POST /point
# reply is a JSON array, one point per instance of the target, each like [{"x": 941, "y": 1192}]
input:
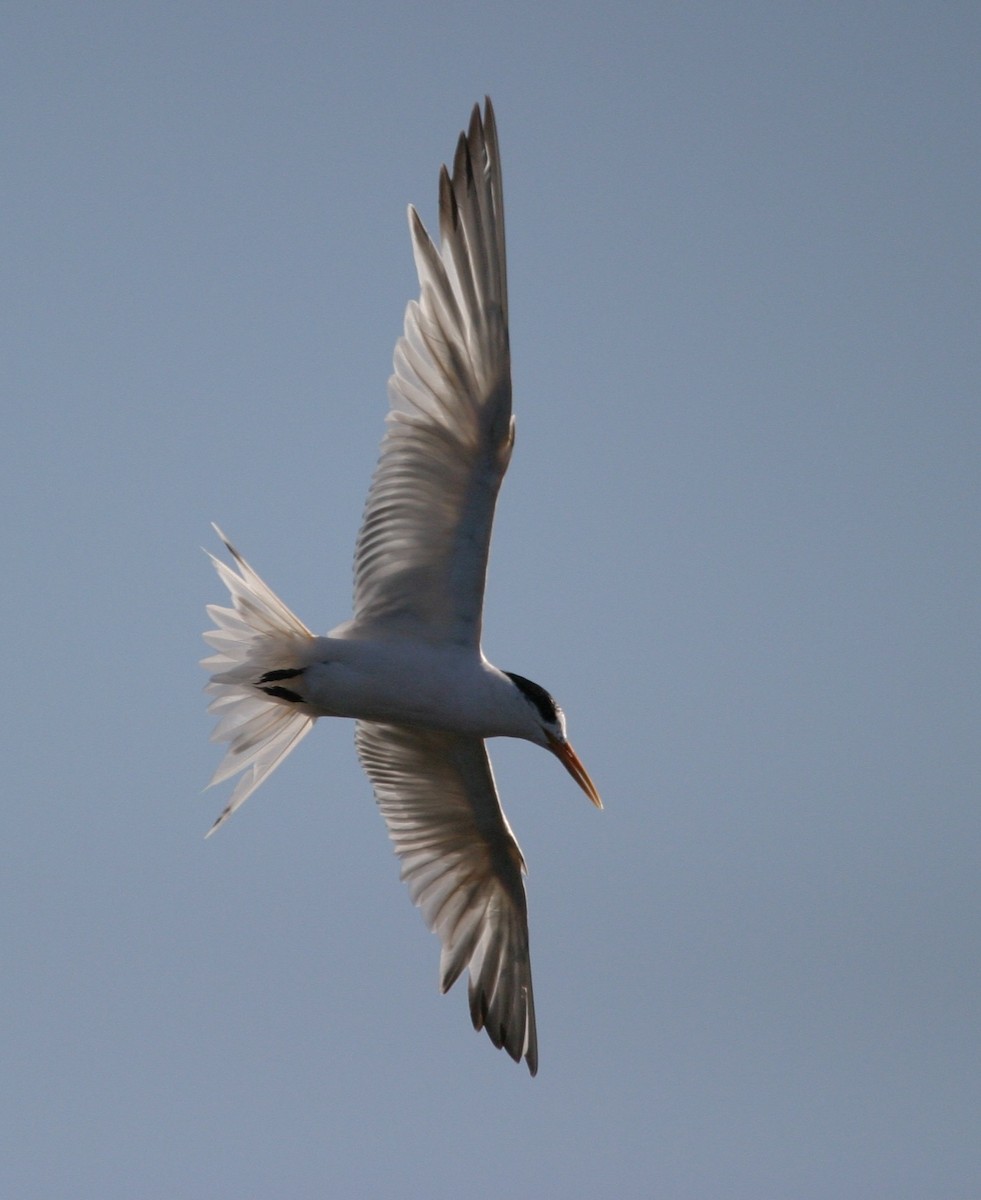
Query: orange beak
[{"x": 564, "y": 752}]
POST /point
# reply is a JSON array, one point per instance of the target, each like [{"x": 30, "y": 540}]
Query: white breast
[{"x": 413, "y": 683}]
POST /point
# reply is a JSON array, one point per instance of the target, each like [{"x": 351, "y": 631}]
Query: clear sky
[{"x": 739, "y": 542}]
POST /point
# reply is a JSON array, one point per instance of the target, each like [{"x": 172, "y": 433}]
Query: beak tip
[{"x": 570, "y": 760}]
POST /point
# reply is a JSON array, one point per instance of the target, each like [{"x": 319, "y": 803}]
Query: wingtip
[{"x": 490, "y": 121}]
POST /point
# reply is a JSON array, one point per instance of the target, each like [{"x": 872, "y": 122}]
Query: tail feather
[{"x": 257, "y": 635}]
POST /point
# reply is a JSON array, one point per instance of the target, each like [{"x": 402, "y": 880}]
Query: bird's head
[{"x": 550, "y": 732}]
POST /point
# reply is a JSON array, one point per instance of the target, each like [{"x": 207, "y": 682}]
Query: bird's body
[
  {"x": 408, "y": 667},
  {"x": 414, "y": 683}
]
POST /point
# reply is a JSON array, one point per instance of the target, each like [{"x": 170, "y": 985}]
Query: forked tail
[{"x": 260, "y": 650}]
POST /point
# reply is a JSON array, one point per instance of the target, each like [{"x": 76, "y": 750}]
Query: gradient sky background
[{"x": 739, "y": 542}]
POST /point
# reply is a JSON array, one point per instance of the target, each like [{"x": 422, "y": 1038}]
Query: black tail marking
[
  {"x": 273, "y": 676},
  {"x": 282, "y": 693}
]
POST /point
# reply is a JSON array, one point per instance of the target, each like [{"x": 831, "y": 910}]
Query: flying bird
[{"x": 408, "y": 667}]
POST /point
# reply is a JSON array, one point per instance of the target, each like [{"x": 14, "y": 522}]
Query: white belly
[{"x": 408, "y": 683}]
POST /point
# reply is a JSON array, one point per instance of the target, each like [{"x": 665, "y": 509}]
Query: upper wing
[
  {"x": 421, "y": 555},
  {"x": 463, "y": 867}
]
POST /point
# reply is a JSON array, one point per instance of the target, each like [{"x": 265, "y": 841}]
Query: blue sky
[{"x": 739, "y": 542}]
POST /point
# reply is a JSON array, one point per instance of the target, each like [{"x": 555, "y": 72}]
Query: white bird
[{"x": 408, "y": 667}]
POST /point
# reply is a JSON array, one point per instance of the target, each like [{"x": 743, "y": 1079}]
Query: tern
[{"x": 408, "y": 667}]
